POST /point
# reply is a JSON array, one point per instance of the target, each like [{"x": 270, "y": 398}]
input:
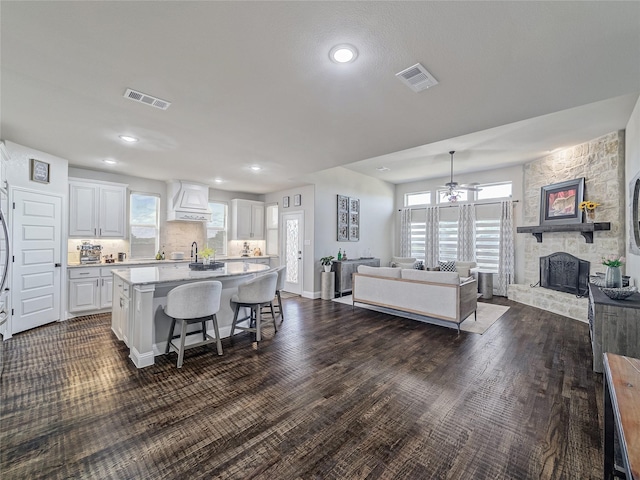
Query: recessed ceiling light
[
  {"x": 218, "y": 180},
  {"x": 343, "y": 53},
  {"x": 128, "y": 138},
  {"x": 108, "y": 161},
  {"x": 383, "y": 169},
  {"x": 256, "y": 168}
]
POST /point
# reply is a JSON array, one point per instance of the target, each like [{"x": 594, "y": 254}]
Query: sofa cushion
[
  {"x": 402, "y": 262},
  {"x": 464, "y": 268},
  {"x": 450, "y": 278},
  {"x": 447, "y": 266},
  {"x": 379, "y": 271}
]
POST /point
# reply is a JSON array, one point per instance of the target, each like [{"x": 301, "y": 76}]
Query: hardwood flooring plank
[{"x": 337, "y": 393}]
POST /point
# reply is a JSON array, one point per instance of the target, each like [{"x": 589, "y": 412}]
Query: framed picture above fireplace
[{"x": 559, "y": 202}]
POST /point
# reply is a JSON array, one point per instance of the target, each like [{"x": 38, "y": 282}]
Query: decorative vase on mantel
[
  {"x": 613, "y": 277},
  {"x": 590, "y": 215}
]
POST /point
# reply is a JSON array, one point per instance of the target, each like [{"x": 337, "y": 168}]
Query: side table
[
  {"x": 328, "y": 285},
  {"x": 485, "y": 284}
]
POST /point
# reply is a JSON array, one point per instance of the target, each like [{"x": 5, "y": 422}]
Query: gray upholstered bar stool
[
  {"x": 193, "y": 303},
  {"x": 282, "y": 274},
  {"x": 255, "y": 294}
]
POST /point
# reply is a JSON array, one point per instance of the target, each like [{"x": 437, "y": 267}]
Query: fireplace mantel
[{"x": 585, "y": 229}]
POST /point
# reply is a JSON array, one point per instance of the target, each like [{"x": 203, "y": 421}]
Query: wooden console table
[
  {"x": 621, "y": 416},
  {"x": 614, "y": 325}
]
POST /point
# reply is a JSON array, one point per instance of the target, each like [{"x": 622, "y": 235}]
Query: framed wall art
[
  {"x": 343, "y": 218},
  {"x": 354, "y": 219},
  {"x": 559, "y": 202},
  {"x": 285, "y": 202},
  {"x": 39, "y": 171},
  {"x": 297, "y": 200}
]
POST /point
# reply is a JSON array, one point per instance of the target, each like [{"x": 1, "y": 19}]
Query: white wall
[
  {"x": 376, "y": 216},
  {"x": 632, "y": 168},
  {"x": 513, "y": 174}
]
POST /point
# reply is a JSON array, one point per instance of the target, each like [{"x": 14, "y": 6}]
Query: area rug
[{"x": 488, "y": 314}]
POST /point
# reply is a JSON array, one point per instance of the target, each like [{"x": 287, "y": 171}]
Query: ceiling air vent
[
  {"x": 417, "y": 78},
  {"x": 146, "y": 99}
]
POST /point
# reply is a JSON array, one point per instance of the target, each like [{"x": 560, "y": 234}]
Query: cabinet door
[
  {"x": 257, "y": 222},
  {"x": 83, "y": 210},
  {"x": 243, "y": 221},
  {"x": 112, "y": 212},
  {"x": 106, "y": 292},
  {"x": 84, "y": 294}
]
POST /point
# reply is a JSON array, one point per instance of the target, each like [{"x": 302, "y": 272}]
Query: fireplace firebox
[{"x": 565, "y": 273}]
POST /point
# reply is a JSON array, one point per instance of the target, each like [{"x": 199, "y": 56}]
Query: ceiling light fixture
[
  {"x": 256, "y": 168},
  {"x": 128, "y": 138},
  {"x": 218, "y": 180},
  {"x": 108, "y": 161},
  {"x": 343, "y": 53},
  {"x": 383, "y": 169}
]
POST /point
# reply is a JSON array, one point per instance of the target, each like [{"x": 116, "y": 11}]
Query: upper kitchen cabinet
[
  {"x": 247, "y": 220},
  {"x": 97, "y": 209}
]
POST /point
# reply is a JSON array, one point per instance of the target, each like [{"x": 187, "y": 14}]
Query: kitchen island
[{"x": 139, "y": 296}]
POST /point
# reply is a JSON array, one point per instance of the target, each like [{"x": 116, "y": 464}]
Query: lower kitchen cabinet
[
  {"x": 120, "y": 311},
  {"x": 90, "y": 289}
]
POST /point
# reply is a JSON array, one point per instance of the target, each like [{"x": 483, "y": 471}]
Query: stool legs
[
  {"x": 183, "y": 335},
  {"x": 173, "y": 326},
  {"x": 280, "y": 309},
  {"x": 214, "y": 319}
]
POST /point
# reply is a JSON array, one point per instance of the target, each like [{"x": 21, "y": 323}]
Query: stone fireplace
[{"x": 601, "y": 162}]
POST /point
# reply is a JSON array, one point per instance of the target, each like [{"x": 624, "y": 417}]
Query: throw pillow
[
  {"x": 447, "y": 266},
  {"x": 419, "y": 265}
]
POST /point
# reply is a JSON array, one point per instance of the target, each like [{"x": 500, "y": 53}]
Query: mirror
[{"x": 634, "y": 233}]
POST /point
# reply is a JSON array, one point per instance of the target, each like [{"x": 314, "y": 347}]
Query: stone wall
[{"x": 601, "y": 162}]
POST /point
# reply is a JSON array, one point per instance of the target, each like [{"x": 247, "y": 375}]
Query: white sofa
[{"x": 440, "y": 295}]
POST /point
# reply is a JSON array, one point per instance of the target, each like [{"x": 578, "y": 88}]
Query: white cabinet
[
  {"x": 97, "y": 210},
  {"x": 84, "y": 289},
  {"x": 90, "y": 289},
  {"x": 120, "y": 312},
  {"x": 247, "y": 220}
]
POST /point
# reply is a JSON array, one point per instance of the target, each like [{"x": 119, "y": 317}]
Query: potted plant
[
  {"x": 326, "y": 263},
  {"x": 206, "y": 255}
]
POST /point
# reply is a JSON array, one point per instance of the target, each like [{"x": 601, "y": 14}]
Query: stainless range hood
[{"x": 187, "y": 202}]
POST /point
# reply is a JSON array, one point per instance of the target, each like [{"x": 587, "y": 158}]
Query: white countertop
[
  {"x": 181, "y": 273},
  {"x": 159, "y": 262}
]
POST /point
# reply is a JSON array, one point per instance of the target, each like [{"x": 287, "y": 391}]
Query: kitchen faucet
[{"x": 196, "y": 245}]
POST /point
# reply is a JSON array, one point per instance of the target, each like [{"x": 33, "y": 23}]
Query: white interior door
[
  {"x": 293, "y": 240},
  {"x": 37, "y": 226}
]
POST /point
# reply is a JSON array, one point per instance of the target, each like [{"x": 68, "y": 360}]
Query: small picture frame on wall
[
  {"x": 285, "y": 202},
  {"x": 297, "y": 200},
  {"x": 39, "y": 171}
]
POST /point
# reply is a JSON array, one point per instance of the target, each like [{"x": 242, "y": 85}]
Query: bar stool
[
  {"x": 255, "y": 294},
  {"x": 282, "y": 274},
  {"x": 193, "y": 303}
]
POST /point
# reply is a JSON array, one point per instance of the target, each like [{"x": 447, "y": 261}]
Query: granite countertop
[
  {"x": 152, "y": 261},
  {"x": 181, "y": 273}
]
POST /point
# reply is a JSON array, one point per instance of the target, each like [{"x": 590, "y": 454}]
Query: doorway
[
  {"x": 36, "y": 232},
  {"x": 292, "y": 234}
]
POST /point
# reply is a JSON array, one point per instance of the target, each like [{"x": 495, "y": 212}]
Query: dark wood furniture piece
[
  {"x": 614, "y": 325},
  {"x": 346, "y": 268},
  {"x": 621, "y": 417},
  {"x": 585, "y": 229}
]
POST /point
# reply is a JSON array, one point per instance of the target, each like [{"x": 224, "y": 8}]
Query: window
[
  {"x": 488, "y": 244},
  {"x": 417, "y": 198},
  {"x": 443, "y": 196},
  {"x": 448, "y": 240},
  {"x": 272, "y": 229},
  {"x": 217, "y": 228},
  {"x": 418, "y": 235},
  {"x": 144, "y": 226},
  {"x": 496, "y": 190}
]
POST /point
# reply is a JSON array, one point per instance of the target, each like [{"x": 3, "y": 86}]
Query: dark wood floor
[{"x": 335, "y": 394}]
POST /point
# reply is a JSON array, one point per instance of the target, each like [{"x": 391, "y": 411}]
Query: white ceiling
[{"x": 251, "y": 83}]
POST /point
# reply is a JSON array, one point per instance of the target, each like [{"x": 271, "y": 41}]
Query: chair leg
[
  {"x": 256, "y": 309},
  {"x": 183, "y": 335},
  {"x": 280, "y": 305},
  {"x": 173, "y": 326},
  {"x": 235, "y": 320},
  {"x": 275, "y": 327},
  {"x": 204, "y": 330},
  {"x": 214, "y": 319}
]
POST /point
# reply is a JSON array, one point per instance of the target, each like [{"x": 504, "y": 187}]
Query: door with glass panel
[{"x": 292, "y": 252}]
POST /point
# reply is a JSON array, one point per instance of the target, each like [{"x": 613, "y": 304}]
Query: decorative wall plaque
[{"x": 348, "y": 219}]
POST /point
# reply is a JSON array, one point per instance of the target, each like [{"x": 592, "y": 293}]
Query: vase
[
  {"x": 590, "y": 215},
  {"x": 613, "y": 277},
  {"x": 206, "y": 261}
]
